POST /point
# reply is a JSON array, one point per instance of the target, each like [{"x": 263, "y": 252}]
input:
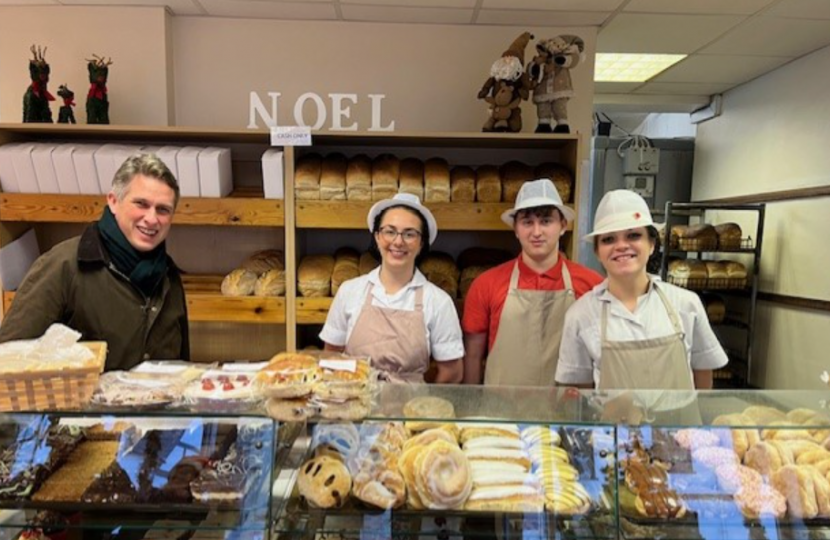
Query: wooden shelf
[
  {"x": 205, "y": 303},
  {"x": 315, "y": 310},
  {"x": 450, "y": 216},
  {"x": 234, "y": 210}
]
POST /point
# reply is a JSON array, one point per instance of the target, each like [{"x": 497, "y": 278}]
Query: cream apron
[
  {"x": 394, "y": 339},
  {"x": 650, "y": 364},
  {"x": 526, "y": 350}
]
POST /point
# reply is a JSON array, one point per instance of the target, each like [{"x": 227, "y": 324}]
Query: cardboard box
[
  {"x": 215, "y": 176},
  {"x": 8, "y": 176},
  {"x": 273, "y": 181},
  {"x": 47, "y": 179},
  {"x": 65, "y": 169},
  {"x": 169, "y": 155},
  {"x": 24, "y": 167},
  {"x": 108, "y": 160},
  {"x": 85, "y": 170},
  {"x": 187, "y": 161}
]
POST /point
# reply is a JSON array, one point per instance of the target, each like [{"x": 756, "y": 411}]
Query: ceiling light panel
[{"x": 613, "y": 67}]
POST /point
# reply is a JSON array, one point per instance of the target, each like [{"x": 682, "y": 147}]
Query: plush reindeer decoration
[
  {"x": 66, "y": 115},
  {"x": 97, "y": 102},
  {"x": 37, "y": 97}
]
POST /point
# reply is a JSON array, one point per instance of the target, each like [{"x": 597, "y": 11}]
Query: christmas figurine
[
  {"x": 37, "y": 97},
  {"x": 66, "y": 115},
  {"x": 97, "y": 103}
]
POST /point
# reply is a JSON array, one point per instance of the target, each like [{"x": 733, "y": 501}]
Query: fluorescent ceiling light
[{"x": 612, "y": 67}]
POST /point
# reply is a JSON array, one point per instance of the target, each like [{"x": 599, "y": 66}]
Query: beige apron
[
  {"x": 650, "y": 364},
  {"x": 394, "y": 339},
  {"x": 526, "y": 350}
]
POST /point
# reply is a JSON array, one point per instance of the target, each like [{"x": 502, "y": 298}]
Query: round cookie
[{"x": 425, "y": 408}]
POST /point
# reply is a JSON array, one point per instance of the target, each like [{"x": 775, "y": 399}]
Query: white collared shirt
[
  {"x": 442, "y": 328},
  {"x": 579, "y": 354}
]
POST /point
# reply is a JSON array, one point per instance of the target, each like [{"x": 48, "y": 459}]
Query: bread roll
[
  {"x": 729, "y": 236},
  {"x": 271, "y": 283},
  {"x": 482, "y": 256},
  {"x": 468, "y": 275},
  {"x": 359, "y": 178},
  {"x": 386, "y": 169},
  {"x": 462, "y": 184},
  {"x": 262, "y": 261},
  {"x": 314, "y": 276},
  {"x": 488, "y": 184},
  {"x": 700, "y": 237},
  {"x": 412, "y": 177},
  {"x": 367, "y": 263},
  {"x": 436, "y": 180},
  {"x": 346, "y": 267},
  {"x": 307, "y": 177},
  {"x": 440, "y": 269},
  {"x": 796, "y": 484},
  {"x": 333, "y": 178},
  {"x": 561, "y": 178},
  {"x": 513, "y": 175},
  {"x": 239, "y": 282}
]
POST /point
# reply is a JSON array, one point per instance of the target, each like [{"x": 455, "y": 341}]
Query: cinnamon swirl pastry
[{"x": 443, "y": 478}]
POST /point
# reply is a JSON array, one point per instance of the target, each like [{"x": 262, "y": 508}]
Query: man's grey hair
[{"x": 148, "y": 165}]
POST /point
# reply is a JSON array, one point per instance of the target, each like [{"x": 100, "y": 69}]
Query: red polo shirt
[{"x": 485, "y": 299}]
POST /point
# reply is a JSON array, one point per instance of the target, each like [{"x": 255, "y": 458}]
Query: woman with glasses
[{"x": 393, "y": 314}]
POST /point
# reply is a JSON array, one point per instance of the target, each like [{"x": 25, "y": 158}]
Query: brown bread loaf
[
  {"x": 386, "y": 169},
  {"x": 359, "y": 178},
  {"x": 436, "y": 180},
  {"x": 440, "y": 269},
  {"x": 307, "y": 177},
  {"x": 462, "y": 184},
  {"x": 346, "y": 267},
  {"x": 488, "y": 184},
  {"x": 333, "y": 178},
  {"x": 513, "y": 175},
  {"x": 412, "y": 177},
  {"x": 314, "y": 276},
  {"x": 561, "y": 178}
]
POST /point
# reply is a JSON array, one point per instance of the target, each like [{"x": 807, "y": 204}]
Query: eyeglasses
[{"x": 391, "y": 233}]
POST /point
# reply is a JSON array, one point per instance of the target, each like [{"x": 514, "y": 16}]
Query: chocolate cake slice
[{"x": 113, "y": 486}]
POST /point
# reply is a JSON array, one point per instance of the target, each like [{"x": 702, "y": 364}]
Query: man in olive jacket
[{"x": 115, "y": 282}]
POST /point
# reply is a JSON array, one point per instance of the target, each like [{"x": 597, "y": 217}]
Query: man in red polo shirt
[{"x": 514, "y": 313}]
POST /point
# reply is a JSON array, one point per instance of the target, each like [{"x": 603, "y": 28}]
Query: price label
[
  {"x": 243, "y": 367},
  {"x": 339, "y": 365},
  {"x": 290, "y": 136}
]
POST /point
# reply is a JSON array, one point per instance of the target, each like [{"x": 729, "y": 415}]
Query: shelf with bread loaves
[
  {"x": 467, "y": 180},
  {"x": 718, "y": 255},
  {"x": 210, "y": 233}
]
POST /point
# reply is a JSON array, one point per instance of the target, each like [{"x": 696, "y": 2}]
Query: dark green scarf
[{"x": 146, "y": 269}]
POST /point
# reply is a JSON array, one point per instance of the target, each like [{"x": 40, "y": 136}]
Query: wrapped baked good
[
  {"x": 314, "y": 276},
  {"x": 271, "y": 283},
  {"x": 560, "y": 176},
  {"x": 488, "y": 184},
  {"x": 386, "y": 170},
  {"x": 513, "y": 175},
  {"x": 343, "y": 378},
  {"x": 307, "y": 177},
  {"x": 701, "y": 237},
  {"x": 729, "y": 236},
  {"x": 462, "y": 184},
  {"x": 123, "y": 389},
  {"x": 689, "y": 273},
  {"x": 219, "y": 390},
  {"x": 289, "y": 375},
  {"x": 412, "y": 177},
  {"x": 239, "y": 282},
  {"x": 436, "y": 180},
  {"x": 423, "y": 409},
  {"x": 440, "y": 269},
  {"x": 379, "y": 481},
  {"x": 333, "y": 178},
  {"x": 346, "y": 267},
  {"x": 367, "y": 263},
  {"x": 263, "y": 261},
  {"x": 359, "y": 178},
  {"x": 290, "y": 410}
]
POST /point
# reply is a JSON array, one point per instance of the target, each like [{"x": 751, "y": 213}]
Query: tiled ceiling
[{"x": 729, "y": 42}]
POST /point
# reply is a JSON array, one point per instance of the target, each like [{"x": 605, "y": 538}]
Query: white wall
[
  {"x": 774, "y": 135},
  {"x": 134, "y": 37}
]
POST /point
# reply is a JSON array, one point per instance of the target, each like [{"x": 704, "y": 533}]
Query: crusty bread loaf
[
  {"x": 307, "y": 177},
  {"x": 513, "y": 175},
  {"x": 685, "y": 270},
  {"x": 359, "y": 178},
  {"x": 386, "y": 169},
  {"x": 333, "y": 178},
  {"x": 734, "y": 269},
  {"x": 271, "y": 283},
  {"x": 412, "y": 177},
  {"x": 729, "y": 236},
  {"x": 561, "y": 178},
  {"x": 436, "y": 180},
  {"x": 715, "y": 270},
  {"x": 488, "y": 184},
  {"x": 346, "y": 267},
  {"x": 468, "y": 275},
  {"x": 462, "y": 184},
  {"x": 440, "y": 269},
  {"x": 701, "y": 237},
  {"x": 676, "y": 231},
  {"x": 264, "y": 260},
  {"x": 483, "y": 256},
  {"x": 239, "y": 282},
  {"x": 367, "y": 263},
  {"x": 314, "y": 276},
  {"x": 715, "y": 308}
]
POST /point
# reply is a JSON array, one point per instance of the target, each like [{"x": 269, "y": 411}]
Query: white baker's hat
[
  {"x": 404, "y": 199},
  {"x": 536, "y": 193},
  {"x": 620, "y": 210}
]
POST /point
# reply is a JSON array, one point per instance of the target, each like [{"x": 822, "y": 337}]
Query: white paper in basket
[{"x": 58, "y": 348}]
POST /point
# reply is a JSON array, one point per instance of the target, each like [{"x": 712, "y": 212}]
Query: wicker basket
[
  {"x": 53, "y": 390},
  {"x": 689, "y": 283}
]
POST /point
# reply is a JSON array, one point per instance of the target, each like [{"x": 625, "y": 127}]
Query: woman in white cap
[
  {"x": 393, "y": 314},
  {"x": 634, "y": 331}
]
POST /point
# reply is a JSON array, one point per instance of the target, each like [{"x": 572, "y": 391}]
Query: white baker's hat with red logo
[{"x": 620, "y": 210}]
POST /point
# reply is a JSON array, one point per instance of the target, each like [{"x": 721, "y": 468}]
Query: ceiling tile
[
  {"x": 397, "y": 14},
  {"x": 720, "y": 68},
  {"x": 554, "y": 5},
  {"x": 178, "y": 7},
  {"x": 269, "y": 10},
  {"x": 632, "y": 33},
  {"x": 516, "y": 17},
  {"x": 615, "y": 87},
  {"x": 801, "y": 9},
  {"x": 416, "y": 3},
  {"x": 683, "y": 89},
  {"x": 772, "y": 36},
  {"x": 702, "y": 7}
]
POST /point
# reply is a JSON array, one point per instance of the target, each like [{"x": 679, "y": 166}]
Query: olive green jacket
[{"x": 76, "y": 284}]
